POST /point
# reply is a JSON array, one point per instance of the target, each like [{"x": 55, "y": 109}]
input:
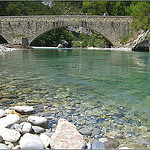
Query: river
[{"x": 108, "y": 90}]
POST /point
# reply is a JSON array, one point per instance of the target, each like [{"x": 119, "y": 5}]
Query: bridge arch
[{"x": 67, "y": 26}]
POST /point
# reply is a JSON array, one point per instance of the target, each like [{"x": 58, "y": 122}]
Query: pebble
[
  {"x": 38, "y": 129},
  {"x": 2, "y": 113},
  {"x": 109, "y": 142},
  {"x": 9, "y": 135},
  {"x": 38, "y": 121},
  {"x": 98, "y": 145},
  {"x": 3, "y": 146},
  {"x": 85, "y": 131},
  {"x": 24, "y": 109},
  {"x": 17, "y": 127},
  {"x": 27, "y": 127},
  {"x": 30, "y": 141}
]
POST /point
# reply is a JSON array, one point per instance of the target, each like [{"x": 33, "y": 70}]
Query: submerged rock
[
  {"x": 85, "y": 131},
  {"x": 109, "y": 142},
  {"x": 98, "y": 145},
  {"x": 66, "y": 136}
]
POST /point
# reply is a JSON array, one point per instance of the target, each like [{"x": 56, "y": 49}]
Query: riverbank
[
  {"x": 4, "y": 48},
  {"x": 20, "y": 129}
]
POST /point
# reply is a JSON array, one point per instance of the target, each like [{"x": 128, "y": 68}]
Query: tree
[{"x": 141, "y": 14}]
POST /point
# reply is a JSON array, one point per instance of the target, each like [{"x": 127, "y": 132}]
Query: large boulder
[
  {"x": 66, "y": 136},
  {"x": 142, "y": 43}
]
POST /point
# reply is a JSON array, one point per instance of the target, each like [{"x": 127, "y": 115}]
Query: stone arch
[{"x": 83, "y": 25}]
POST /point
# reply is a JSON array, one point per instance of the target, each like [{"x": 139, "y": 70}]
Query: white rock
[
  {"x": 27, "y": 127},
  {"x": 9, "y": 135},
  {"x": 38, "y": 121},
  {"x": 9, "y": 120},
  {"x": 16, "y": 147},
  {"x": 3, "y": 146},
  {"x": 24, "y": 109},
  {"x": 38, "y": 129},
  {"x": 45, "y": 139},
  {"x": 30, "y": 141},
  {"x": 17, "y": 127},
  {"x": 124, "y": 148},
  {"x": 103, "y": 140},
  {"x": 8, "y": 111},
  {"x": 2, "y": 113}
]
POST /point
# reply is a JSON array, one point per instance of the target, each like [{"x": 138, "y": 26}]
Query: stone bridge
[{"x": 24, "y": 29}]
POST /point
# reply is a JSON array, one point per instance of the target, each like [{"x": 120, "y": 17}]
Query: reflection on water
[{"x": 86, "y": 87}]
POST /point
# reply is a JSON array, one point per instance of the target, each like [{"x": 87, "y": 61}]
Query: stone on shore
[
  {"x": 24, "y": 109},
  {"x": 66, "y": 136},
  {"x": 27, "y": 127},
  {"x": 38, "y": 129},
  {"x": 45, "y": 139},
  {"x": 38, "y": 121},
  {"x": 3, "y": 146},
  {"x": 9, "y": 135},
  {"x": 30, "y": 141},
  {"x": 9, "y": 120},
  {"x": 2, "y": 113}
]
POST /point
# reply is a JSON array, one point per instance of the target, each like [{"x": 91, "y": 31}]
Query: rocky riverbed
[{"x": 21, "y": 128}]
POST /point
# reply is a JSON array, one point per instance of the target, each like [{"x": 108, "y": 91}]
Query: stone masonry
[{"x": 24, "y": 29}]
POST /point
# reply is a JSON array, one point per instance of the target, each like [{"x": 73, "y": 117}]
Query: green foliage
[
  {"x": 53, "y": 37},
  {"x": 141, "y": 14},
  {"x": 76, "y": 44},
  {"x": 124, "y": 38}
]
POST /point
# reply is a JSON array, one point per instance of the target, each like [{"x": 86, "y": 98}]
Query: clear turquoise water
[{"x": 78, "y": 82}]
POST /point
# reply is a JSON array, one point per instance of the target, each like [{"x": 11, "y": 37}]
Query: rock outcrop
[{"x": 142, "y": 43}]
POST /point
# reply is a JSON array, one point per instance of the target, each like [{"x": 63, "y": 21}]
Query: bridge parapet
[{"x": 14, "y": 28}]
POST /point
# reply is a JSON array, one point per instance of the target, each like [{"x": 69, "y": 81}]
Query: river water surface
[{"x": 107, "y": 90}]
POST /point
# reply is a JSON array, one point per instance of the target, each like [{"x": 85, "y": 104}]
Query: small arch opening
[{"x": 74, "y": 36}]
